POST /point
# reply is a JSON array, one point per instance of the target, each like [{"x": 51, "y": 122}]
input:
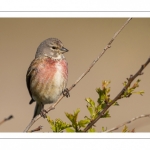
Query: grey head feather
[{"x": 52, "y": 48}]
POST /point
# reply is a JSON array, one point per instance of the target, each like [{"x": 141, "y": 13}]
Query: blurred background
[{"x": 85, "y": 38}]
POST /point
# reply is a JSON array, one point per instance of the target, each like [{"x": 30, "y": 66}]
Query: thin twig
[
  {"x": 6, "y": 119},
  {"x": 130, "y": 79},
  {"x": 77, "y": 81},
  {"x": 37, "y": 129},
  {"x": 127, "y": 122}
]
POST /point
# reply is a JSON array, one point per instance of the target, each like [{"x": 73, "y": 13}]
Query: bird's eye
[{"x": 53, "y": 47}]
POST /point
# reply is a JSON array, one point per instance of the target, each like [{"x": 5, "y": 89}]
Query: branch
[
  {"x": 6, "y": 119},
  {"x": 37, "y": 129},
  {"x": 127, "y": 122},
  {"x": 77, "y": 81},
  {"x": 132, "y": 77}
]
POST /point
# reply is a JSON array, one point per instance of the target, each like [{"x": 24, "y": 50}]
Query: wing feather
[{"x": 32, "y": 70}]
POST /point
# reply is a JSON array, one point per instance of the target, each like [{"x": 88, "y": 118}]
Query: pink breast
[
  {"x": 48, "y": 87},
  {"x": 48, "y": 68}
]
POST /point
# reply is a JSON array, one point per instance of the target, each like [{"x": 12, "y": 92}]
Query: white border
[
  {"x": 75, "y": 135},
  {"x": 74, "y": 5},
  {"x": 73, "y": 14}
]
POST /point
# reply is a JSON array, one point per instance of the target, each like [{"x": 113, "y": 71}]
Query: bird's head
[{"x": 51, "y": 47}]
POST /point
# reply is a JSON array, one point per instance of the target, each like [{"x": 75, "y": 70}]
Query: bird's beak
[{"x": 64, "y": 50}]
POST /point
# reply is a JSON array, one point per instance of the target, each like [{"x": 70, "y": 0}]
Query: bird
[{"x": 47, "y": 75}]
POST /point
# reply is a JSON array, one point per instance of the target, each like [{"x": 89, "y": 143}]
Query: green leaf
[
  {"x": 125, "y": 129},
  {"x": 141, "y": 92},
  {"x": 103, "y": 96},
  {"x": 108, "y": 90},
  {"x": 105, "y": 84},
  {"x": 106, "y": 115},
  {"x": 103, "y": 105},
  {"x": 125, "y": 83},
  {"x": 70, "y": 130},
  {"x": 104, "y": 129},
  {"x": 69, "y": 116},
  {"x": 76, "y": 115},
  {"x": 98, "y": 90},
  {"x": 99, "y": 108},
  {"x": 90, "y": 109},
  {"x": 90, "y": 101},
  {"x": 53, "y": 128},
  {"x": 58, "y": 125},
  {"x": 138, "y": 80},
  {"x": 51, "y": 122},
  {"x": 91, "y": 130},
  {"x": 116, "y": 104},
  {"x": 84, "y": 122},
  {"x": 73, "y": 118}
]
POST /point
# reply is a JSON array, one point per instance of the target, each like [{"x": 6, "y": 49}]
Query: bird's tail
[{"x": 37, "y": 109}]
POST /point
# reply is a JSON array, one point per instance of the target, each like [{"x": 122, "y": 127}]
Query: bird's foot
[
  {"x": 66, "y": 92},
  {"x": 43, "y": 113}
]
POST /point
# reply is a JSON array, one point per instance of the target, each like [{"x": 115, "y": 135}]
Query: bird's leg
[
  {"x": 66, "y": 92},
  {"x": 43, "y": 112}
]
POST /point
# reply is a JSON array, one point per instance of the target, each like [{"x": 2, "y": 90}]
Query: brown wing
[
  {"x": 28, "y": 78},
  {"x": 31, "y": 71}
]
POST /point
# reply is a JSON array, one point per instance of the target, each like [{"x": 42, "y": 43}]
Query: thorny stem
[{"x": 77, "y": 81}]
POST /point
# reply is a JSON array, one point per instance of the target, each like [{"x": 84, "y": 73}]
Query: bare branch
[
  {"x": 36, "y": 129},
  {"x": 130, "y": 79},
  {"x": 77, "y": 81},
  {"x": 6, "y": 119},
  {"x": 127, "y": 122}
]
